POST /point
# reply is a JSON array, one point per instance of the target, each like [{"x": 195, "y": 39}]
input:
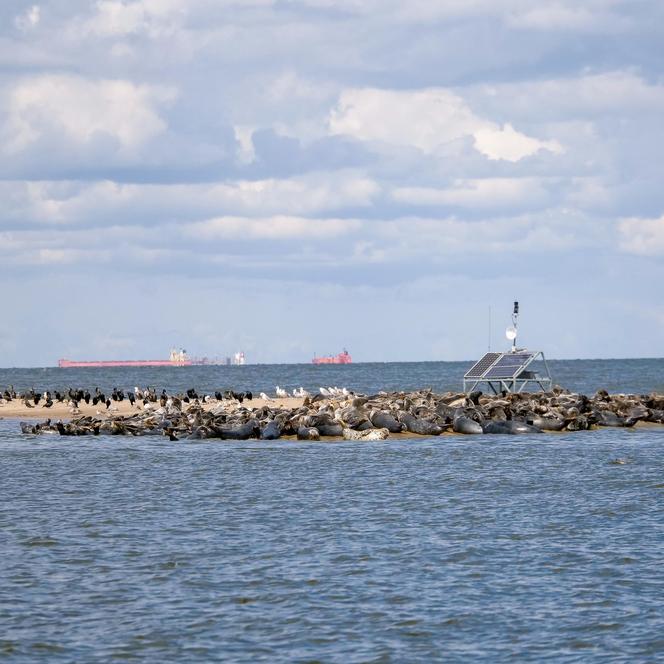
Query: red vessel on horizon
[{"x": 341, "y": 358}]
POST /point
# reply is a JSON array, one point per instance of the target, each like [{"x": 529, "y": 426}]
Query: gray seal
[
  {"x": 509, "y": 427},
  {"x": 463, "y": 424}
]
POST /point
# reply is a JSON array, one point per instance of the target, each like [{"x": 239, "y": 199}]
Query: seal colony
[{"x": 344, "y": 415}]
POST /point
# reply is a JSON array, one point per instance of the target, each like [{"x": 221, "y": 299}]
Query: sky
[{"x": 292, "y": 177}]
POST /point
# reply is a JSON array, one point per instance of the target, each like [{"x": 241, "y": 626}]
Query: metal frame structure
[{"x": 507, "y": 372}]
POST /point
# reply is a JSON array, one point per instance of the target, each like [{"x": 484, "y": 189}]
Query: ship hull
[
  {"x": 341, "y": 358},
  {"x": 72, "y": 364}
]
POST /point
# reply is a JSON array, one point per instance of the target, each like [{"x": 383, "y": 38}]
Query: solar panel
[
  {"x": 509, "y": 365},
  {"x": 478, "y": 369},
  {"x": 511, "y": 371}
]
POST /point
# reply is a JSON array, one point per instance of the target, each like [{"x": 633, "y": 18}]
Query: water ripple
[{"x": 453, "y": 549}]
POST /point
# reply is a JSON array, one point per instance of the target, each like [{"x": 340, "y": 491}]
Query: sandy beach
[{"x": 16, "y": 409}]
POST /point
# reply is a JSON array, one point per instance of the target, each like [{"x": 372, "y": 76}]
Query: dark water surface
[
  {"x": 632, "y": 376},
  {"x": 486, "y": 548}
]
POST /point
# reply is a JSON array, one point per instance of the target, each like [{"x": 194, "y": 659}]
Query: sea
[{"x": 451, "y": 549}]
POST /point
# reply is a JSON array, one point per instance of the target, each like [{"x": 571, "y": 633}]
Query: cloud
[
  {"x": 484, "y": 194},
  {"x": 91, "y": 204},
  {"x": 336, "y": 151},
  {"x": 554, "y": 16},
  {"x": 587, "y": 95},
  {"x": 154, "y": 18},
  {"x": 642, "y": 236},
  {"x": 427, "y": 119},
  {"x": 29, "y": 19},
  {"x": 273, "y": 228},
  {"x": 81, "y": 111},
  {"x": 507, "y": 143},
  {"x": 526, "y": 14}
]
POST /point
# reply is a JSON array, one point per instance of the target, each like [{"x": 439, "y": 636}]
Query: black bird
[
  {"x": 131, "y": 397},
  {"x": 108, "y": 404},
  {"x": 48, "y": 403}
]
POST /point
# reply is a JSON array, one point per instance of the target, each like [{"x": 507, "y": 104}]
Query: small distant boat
[{"x": 341, "y": 358}]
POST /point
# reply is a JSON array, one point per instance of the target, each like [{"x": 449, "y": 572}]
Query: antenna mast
[
  {"x": 511, "y": 331},
  {"x": 515, "y": 318}
]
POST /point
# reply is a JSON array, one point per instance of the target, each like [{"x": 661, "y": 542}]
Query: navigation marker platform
[{"x": 508, "y": 372}]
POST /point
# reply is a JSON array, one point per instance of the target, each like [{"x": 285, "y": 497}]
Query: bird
[
  {"x": 265, "y": 397},
  {"x": 281, "y": 393},
  {"x": 324, "y": 391}
]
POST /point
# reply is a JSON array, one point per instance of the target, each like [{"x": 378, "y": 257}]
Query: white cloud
[
  {"x": 485, "y": 194},
  {"x": 81, "y": 202},
  {"x": 82, "y": 110},
  {"x": 642, "y": 236},
  {"x": 509, "y": 144},
  {"x": 29, "y": 19},
  {"x": 590, "y": 94},
  {"x": 427, "y": 119},
  {"x": 244, "y": 137},
  {"x": 553, "y": 16},
  {"x": 273, "y": 228},
  {"x": 155, "y": 18},
  {"x": 522, "y": 14}
]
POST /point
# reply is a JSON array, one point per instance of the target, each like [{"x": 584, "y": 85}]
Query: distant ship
[
  {"x": 177, "y": 358},
  {"x": 341, "y": 358}
]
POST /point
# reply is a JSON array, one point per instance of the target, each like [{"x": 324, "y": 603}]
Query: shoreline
[
  {"x": 16, "y": 410},
  {"x": 349, "y": 416}
]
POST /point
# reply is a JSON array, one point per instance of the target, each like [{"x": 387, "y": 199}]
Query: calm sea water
[
  {"x": 485, "y": 548},
  {"x": 634, "y": 376}
]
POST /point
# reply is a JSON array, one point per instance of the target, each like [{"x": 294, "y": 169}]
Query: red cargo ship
[{"x": 341, "y": 358}]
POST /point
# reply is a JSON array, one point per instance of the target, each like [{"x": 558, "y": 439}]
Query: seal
[
  {"x": 250, "y": 429},
  {"x": 508, "y": 427},
  {"x": 330, "y": 429},
  {"x": 271, "y": 431},
  {"x": 371, "y": 434},
  {"x": 463, "y": 424},
  {"x": 308, "y": 433},
  {"x": 548, "y": 423},
  {"x": 383, "y": 420},
  {"x": 416, "y": 425}
]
